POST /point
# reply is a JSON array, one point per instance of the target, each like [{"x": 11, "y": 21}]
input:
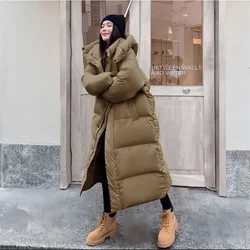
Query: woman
[{"x": 125, "y": 153}]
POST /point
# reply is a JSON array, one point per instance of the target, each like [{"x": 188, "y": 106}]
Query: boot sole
[
  {"x": 111, "y": 234},
  {"x": 166, "y": 245}
]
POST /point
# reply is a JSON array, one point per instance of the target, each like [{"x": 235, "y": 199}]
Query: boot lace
[
  {"x": 165, "y": 221},
  {"x": 102, "y": 222}
]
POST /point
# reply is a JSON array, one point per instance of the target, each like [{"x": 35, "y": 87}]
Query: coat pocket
[{"x": 133, "y": 111}]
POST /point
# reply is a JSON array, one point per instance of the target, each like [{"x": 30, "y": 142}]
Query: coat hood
[{"x": 117, "y": 50}]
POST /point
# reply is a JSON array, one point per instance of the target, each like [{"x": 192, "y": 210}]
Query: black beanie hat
[{"x": 118, "y": 20}]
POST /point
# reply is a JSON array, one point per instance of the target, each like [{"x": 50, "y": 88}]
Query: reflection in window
[
  {"x": 93, "y": 12},
  {"x": 176, "y": 44}
]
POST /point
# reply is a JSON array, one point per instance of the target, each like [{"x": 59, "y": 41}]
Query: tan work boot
[
  {"x": 169, "y": 226},
  {"x": 106, "y": 228}
]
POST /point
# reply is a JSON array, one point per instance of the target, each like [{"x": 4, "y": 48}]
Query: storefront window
[
  {"x": 94, "y": 11},
  {"x": 176, "y": 44}
]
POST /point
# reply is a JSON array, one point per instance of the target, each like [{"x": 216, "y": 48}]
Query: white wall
[
  {"x": 237, "y": 46},
  {"x": 1, "y": 73},
  {"x": 30, "y": 72}
]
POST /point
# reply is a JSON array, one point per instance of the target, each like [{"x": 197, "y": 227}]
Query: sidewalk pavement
[{"x": 60, "y": 219}]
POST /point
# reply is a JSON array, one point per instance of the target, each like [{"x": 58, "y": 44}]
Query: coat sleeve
[
  {"x": 95, "y": 83},
  {"x": 128, "y": 81}
]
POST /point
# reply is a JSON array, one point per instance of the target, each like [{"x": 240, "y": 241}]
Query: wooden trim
[
  {"x": 188, "y": 180},
  {"x": 145, "y": 37},
  {"x": 84, "y": 92},
  {"x": 134, "y": 22},
  {"x": 177, "y": 90},
  {"x": 208, "y": 83},
  {"x": 220, "y": 12},
  {"x": 77, "y": 69},
  {"x": 65, "y": 93}
]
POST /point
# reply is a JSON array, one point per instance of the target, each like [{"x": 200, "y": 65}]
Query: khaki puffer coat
[{"x": 125, "y": 110}]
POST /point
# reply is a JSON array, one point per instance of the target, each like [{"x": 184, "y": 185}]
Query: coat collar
[{"x": 117, "y": 50}]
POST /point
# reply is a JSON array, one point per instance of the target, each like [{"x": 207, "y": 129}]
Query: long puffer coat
[{"x": 125, "y": 110}]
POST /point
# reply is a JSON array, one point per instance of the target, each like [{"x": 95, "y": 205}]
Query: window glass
[{"x": 176, "y": 42}]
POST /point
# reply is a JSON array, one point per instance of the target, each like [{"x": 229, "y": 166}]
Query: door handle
[
  {"x": 129, "y": 5},
  {"x": 186, "y": 91}
]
